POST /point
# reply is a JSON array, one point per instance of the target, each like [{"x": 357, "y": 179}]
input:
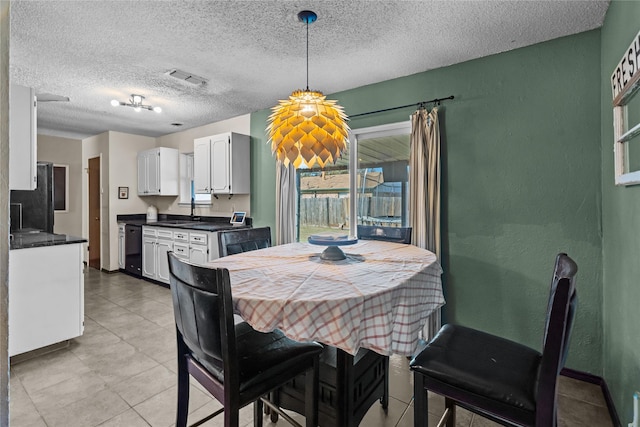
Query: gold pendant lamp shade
[{"x": 307, "y": 128}]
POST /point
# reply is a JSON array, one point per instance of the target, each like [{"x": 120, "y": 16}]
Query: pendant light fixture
[{"x": 307, "y": 128}]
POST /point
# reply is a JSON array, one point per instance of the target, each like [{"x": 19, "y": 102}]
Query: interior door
[{"x": 94, "y": 212}]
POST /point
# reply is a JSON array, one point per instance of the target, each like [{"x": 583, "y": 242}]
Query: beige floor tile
[
  {"x": 572, "y": 412},
  {"x": 400, "y": 379},
  {"x": 160, "y": 410},
  {"x": 158, "y": 344},
  {"x": 128, "y": 418},
  {"x": 22, "y": 410},
  {"x": 581, "y": 390},
  {"x": 68, "y": 391},
  {"x": 45, "y": 371},
  {"x": 376, "y": 416},
  {"x": 91, "y": 411},
  {"x": 145, "y": 385}
]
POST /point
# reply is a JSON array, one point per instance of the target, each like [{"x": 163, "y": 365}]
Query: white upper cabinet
[
  {"x": 158, "y": 172},
  {"x": 201, "y": 166},
  {"x": 23, "y": 134},
  {"x": 222, "y": 164}
]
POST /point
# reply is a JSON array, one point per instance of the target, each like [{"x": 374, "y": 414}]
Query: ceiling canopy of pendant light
[{"x": 307, "y": 128}]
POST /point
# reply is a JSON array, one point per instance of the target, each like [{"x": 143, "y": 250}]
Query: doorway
[{"x": 94, "y": 213}]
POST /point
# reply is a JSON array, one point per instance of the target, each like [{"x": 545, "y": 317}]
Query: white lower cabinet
[
  {"x": 197, "y": 247},
  {"x": 46, "y": 285},
  {"x": 156, "y": 242},
  {"x": 149, "y": 239},
  {"x": 164, "y": 245}
]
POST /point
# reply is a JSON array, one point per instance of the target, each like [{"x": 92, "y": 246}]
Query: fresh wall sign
[{"x": 626, "y": 69}]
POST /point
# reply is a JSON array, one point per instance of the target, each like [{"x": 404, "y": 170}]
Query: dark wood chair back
[
  {"x": 561, "y": 311},
  {"x": 499, "y": 379},
  {"x": 243, "y": 240},
  {"x": 388, "y": 234},
  {"x": 235, "y": 363}
]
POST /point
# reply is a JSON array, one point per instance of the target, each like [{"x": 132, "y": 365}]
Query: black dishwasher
[{"x": 133, "y": 249}]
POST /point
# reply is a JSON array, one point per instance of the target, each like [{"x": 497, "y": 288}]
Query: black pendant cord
[
  {"x": 307, "y": 56},
  {"x": 422, "y": 104}
]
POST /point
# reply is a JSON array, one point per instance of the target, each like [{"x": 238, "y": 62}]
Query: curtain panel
[
  {"x": 285, "y": 204},
  {"x": 424, "y": 191}
]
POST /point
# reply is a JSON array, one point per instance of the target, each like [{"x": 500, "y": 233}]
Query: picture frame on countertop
[{"x": 123, "y": 192}]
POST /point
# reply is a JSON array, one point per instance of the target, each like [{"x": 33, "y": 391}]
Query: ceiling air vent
[{"x": 187, "y": 77}]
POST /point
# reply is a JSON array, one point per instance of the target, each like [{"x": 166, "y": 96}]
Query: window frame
[
  {"x": 185, "y": 189},
  {"x": 362, "y": 134}
]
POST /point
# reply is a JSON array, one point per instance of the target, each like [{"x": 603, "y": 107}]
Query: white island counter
[{"x": 46, "y": 291}]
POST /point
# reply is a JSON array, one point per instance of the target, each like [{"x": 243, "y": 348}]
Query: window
[
  {"x": 186, "y": 182},
  {"x": 61, "y": 188},
  {"x": 625, "y": 85},
  {"x": 379, "y": 185}
]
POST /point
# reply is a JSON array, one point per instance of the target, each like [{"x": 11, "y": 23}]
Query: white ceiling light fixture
[{"x": 136, "y": 101}]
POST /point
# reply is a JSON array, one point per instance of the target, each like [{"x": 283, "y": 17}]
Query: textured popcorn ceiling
[{"x": 251, "y": 52}]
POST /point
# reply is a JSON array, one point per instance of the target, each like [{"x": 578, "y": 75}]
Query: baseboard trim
[{"x": 594, "y": 379}]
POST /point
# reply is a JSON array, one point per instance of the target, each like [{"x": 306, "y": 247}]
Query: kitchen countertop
[
  {"x": 34, "y": 240},
  {"x": 184, "y": 222}
]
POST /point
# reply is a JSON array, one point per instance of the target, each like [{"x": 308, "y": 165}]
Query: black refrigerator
[{"x": 33, "y": 209}]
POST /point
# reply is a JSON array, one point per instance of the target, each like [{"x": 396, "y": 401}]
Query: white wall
[
  {"x": 65, "y": 151},
  {"x": 4, "y": 211},
  {"x": 96, "y": 146},
  {"x": 123, "y": 172},
  {"x": 183, "y": 141}
]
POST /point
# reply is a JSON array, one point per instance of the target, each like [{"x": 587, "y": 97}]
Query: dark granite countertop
[
  {"x": 183, "y": 221},
  {"x": 36, "y": 240}
]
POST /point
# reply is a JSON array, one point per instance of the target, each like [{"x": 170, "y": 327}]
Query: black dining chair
[
  {"x": 243, "y": 239},
  {"x": 507, "y": 382},
  {"x": 388, "y": 234},
  {"x": 232, "y": 361}
]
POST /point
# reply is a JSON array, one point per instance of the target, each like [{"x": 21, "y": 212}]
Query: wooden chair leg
[
  {"x": 420, "y": 405},
  {"x": 312, "y": 383},
  {"x": 450, "y": 404},
  {"x": 384, "y": 400},
  {"x": 183, "y": 385},
  {"x": 274, "y": 397},
  {"x": 257, "y": 413},
  {"x": 231, "y": 416}
]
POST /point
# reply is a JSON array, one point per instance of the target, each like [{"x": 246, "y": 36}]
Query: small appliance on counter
[{"x": 152, "y": 214}]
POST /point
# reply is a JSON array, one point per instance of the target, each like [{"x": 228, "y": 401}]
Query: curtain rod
[{"x": 417, "y": 104}]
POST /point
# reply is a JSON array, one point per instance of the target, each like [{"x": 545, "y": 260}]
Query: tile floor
[{"x": 121, "y": 372}]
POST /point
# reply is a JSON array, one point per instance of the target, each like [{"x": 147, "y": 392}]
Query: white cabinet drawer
[
  {"x": 181, "y": 250},
  {"x": 181, "y": 236},
  {"x": 198, "y": 238},
  {"x": 164, "y": 233},
  {"x": 149, "y": 232}
]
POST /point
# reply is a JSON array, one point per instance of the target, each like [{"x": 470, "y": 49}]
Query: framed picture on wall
[{"x": 123, "y": 192}]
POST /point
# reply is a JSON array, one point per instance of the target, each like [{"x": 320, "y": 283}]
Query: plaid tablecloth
[{"x": 378, "y": 298}]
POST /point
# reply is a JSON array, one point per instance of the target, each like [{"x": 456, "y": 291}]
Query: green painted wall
[
  {"x": 263, "y": 174},
  {"x": 621, "y": 229},
  {"x": 521, "y": 182}
]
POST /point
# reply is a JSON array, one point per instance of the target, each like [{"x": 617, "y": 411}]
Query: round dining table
[{"x": 379, "y": 297}]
